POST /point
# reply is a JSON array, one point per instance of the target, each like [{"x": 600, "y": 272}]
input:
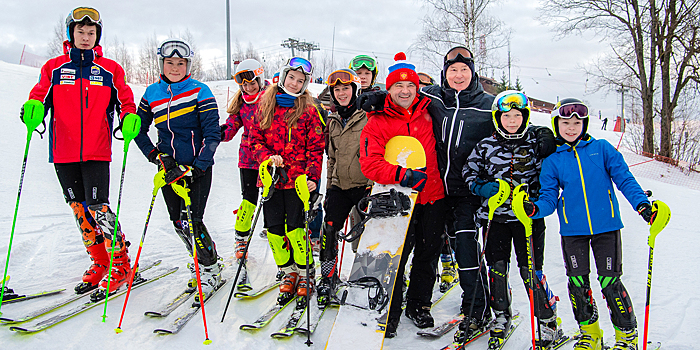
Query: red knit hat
[{"x": 402, "y": 70}]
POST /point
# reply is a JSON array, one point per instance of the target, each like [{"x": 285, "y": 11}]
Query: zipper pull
[{"x": 86, "y": 97}]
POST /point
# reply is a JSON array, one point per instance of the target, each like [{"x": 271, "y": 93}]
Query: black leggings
[
  {"x": 84, "y": 181},
  {"x": 199, "y": 193},
  {"x": 249, "y": 179}
]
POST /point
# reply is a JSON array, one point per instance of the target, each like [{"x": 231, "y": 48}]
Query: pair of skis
[{"x": 12, "y": 297}]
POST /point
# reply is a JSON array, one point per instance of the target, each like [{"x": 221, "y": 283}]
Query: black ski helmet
[{"x": 556, "y": 113}]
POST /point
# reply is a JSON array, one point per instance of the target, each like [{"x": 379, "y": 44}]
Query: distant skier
[
  {"x": 85, "y": 92},
  {"x": 509, "y": 155},
  {"x": 289, "y": 133},
  {"x": 346, "y": 184},
  {"x": 576, "y": 181},
  {"x": 605, "y": 124},
  {"x": 186, "y": 117},
  {"x": 405, "y": 114},
  {"x": 367, "y": 69}
]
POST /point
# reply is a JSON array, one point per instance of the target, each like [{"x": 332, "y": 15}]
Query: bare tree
[
  {"x": 197, "y": 69},
  {"x": 55, "y": 47},
  {"x": 461, "y": 22},
  {"x": 648, "y": 42},
  {"x": 120, "y": 53},
  {"x": 147, "y": 70}
]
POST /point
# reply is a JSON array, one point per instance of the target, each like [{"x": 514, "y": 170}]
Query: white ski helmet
[
  {"x": 249, "y": 70},
  {"x": 299, "y": 64},
  {"x": 504, "y": 102},
  {"x": 171, "y": 47}
]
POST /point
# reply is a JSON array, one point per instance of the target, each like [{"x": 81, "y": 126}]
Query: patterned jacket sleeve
[
  {"x": 146, "y": 114},
  {"x": 315, "y": 144},
  {"x": 372, "y": 161},
  {"x": 234, "y": 123},
  {"x": 257, "y": 141},
  {"x": 209, "y": 122},
  {"x": 123, "y": 93},
  {"x": 473, "y": 166}
]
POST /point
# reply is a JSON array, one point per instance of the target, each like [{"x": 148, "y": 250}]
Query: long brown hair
[
  {"x": 268, "y": 102},
  {"x": 235, "y": 106}
]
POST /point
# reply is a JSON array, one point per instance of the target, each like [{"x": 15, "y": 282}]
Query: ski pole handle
[
  {"x": 182, "y": 191},
  {"x": 131, "y": 126},
  {"x": 519, "y": 195},
  {"x": 33, "y": 116},
  {"x": 158, "y": 181},
  {"x": 499, "y": 198},
  {"x": 302, "y": 191},
  {"x": 663, "y": 216}
]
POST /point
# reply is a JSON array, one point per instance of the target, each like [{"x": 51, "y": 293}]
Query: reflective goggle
[
  {"x": 423, "y": 80},
  {"x": 81, "y": 12},
  {"x": 568, "y": 111},
  {"x": 363, "y": 61},
  {"x": 515, "y": 100},
  {"x": 298, "y": 62},
  {"x": 342, "y": 77},
  {"x": 455, "y": 53},
  {"x": 247, "y": 75},
  {"x": 175, "y": 47}
]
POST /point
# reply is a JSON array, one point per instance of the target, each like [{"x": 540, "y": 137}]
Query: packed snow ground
[{"x": 47, "y": 253}]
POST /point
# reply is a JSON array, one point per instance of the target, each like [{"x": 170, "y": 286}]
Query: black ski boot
[
  {"x": 326, "y": 289},
  {"x": 420, "y": 315},
  {"x": 471, "y": 327},
  {"x": 391, "y": 326}
]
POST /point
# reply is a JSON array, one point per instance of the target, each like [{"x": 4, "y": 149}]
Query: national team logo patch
[
  {"x": 67, "y": 76},
  {"x": 404, "y": 76},
  {"x": 318, "y": 130},
  {"x": 95, "y": 70}
]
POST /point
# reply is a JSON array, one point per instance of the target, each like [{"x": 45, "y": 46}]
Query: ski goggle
[
  {"x": 510, "y": 101},
  {"x": 81, "y": 13},
  {"x": 425, "y": 79},
  {"x": 175, "y": 47},
  {"x": 363, "y": 61},
  {"x": 454, "y": 55},
  {"x": 569, "y": 111},
  {"x": 247, "y": 76},
  {"x": 298, "y": 62},
  {"x": 342, "y": 77}
]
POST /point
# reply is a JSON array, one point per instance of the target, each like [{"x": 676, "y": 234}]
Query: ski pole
[
  {"x": 342, "y": 250},
  {"x": 158, "y": 182},
  {"x": 268, "y": 181},
  {"x": 32, "y": 117},
  {"x": 519, "y": 195},
  {"x": 303, "y": 192},
  {"x": 494, "y": 202},
  {"x": 663, "y": 215},
  {"x": 183, "y": 191},
  {"x": 131, "y": 126}
]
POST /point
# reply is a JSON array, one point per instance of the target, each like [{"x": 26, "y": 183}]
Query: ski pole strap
[
  {"x": 302, "y": 191},
  {"x": 33, "y": 116},
  {"x": 182, "y": 191},
  {"x": 663, "y": 216},
  {"x": 500, "y": 197}
]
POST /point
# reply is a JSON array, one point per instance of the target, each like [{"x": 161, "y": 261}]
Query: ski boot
[
  {"x": 391, "y": 326},
  {"x": 241, "y": 244},
  {"x": 288, "y": 287},
  {"x": 471, "y": 327},
  {"x": 591, "y": 337},
  {"x": 243, "y": 281},
  {"x": 625, "y": 340},
  {"x": 326, "y": 289},
  {"x": 549, "y": 330},
  {"x": 316, "y": 246},
  {"x": 420, "y": 315},
  {"x": 448, "y": 275},
  {"x": 121, "y": 272},
  {"x": 305, "y": 286},
  {"x": 97, "y": 271},
  {"x": 500, "y": 329},
  {"x": 211, "y": 278}
]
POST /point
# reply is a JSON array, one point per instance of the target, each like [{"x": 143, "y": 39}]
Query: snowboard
[{"x": 377, "y": 261}]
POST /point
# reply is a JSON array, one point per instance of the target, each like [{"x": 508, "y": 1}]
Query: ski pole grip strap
[
  {"x": 302, "y": 190},
  {"x": 182, "y": 191},
  {"x": 33, "y": 115},
  {"x": 663, "y": 216}
]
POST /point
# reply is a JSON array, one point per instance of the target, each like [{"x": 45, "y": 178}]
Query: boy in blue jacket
[{"x": 589, "y": 218}]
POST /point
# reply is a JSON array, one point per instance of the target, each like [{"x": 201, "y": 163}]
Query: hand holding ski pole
[
  {"x": 32, "y": 117},
  {"x": 662, "y": 215},
  {"x": 158, "y": 182}
]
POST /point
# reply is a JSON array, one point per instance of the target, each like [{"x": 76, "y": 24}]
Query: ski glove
[
  {"x": 162, "y": 160},
  {"x": 530, "y": 208},
  {"x": 413, "y": 178},
  {"x": 486, "y": 190},
  {"x": 646, "y": 213},
  {"x": 546, "y": 143},
  {"x": 180, "y": 171},
  {"x": 224, "y": 127},
  {"x": 372, "y": 101}
]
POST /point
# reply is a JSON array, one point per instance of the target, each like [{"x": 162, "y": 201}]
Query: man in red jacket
[
  {"x": 84, "y": 92},
  {"x": 405, "y": 114}
]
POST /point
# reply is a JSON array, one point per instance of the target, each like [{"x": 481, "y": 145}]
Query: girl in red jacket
[{"x": 290, "y": 134}]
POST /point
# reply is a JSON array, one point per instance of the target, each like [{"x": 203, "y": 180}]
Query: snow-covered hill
[{"x": 47, "y": 252}]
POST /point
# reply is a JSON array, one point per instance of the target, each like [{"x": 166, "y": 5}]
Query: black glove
[
  {"x": 414, "y": 178},
  {"x": 224, "y": 127},
  {"x": 21, "y": 114},
  {"x": 646, "y": 213},
  {"x": 545, "y": 144},
  {"x": 486, "y": 190},
  {"x": 162, "y": 160},
  {"x": 177, "y": 173},
  {"x": 530, "y": 208},
  {"x": 372, "y": 101}
]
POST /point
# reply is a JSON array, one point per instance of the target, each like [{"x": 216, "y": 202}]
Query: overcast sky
[{"x": 547, "y": 68}]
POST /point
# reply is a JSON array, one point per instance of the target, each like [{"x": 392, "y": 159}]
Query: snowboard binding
[
  {"x": 377, "y": 297},
  {"x": 379, "y": 205}
]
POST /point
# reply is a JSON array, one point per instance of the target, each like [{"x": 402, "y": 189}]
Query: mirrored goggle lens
[
  {"x": 568, "y": 111},
  {"x": 456, "y": 52},
  {"x": 510, "y": 101},
  {"x": 242, "y": 77},
  {"x": 422, "y": 82},
  {"x": 304, "y": 64},
  {"x": 82, "y": 12},
  {"x": 172, "y": 48},
  {"x": 363, "y": 61},
  {"x": 341, "y": 77}
]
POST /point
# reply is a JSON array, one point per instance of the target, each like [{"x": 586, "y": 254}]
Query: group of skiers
[{"x": 471, "y": 140}]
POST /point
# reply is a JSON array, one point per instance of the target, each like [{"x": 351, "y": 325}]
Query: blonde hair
[{"x": 268, "y": 103}]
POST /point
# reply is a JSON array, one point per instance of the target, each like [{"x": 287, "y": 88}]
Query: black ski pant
[
  {"x": 461, "y": 221},
  {"x": 249, "y": 190},
  {"x": 199, "y": 193},
  {"x": 425, "y": 237},
  {"x": 84, "y": 181}
]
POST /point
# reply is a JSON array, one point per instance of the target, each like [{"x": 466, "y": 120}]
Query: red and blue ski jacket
[
  {"x": 244, "y": 119},
  {"x": 587, "y": 204},
  {"x": 84, "y": 91},
  {"x": 187, "y": 119},
  {"x": 301, "y": 146},
  {"x": 392, "y": 121}
]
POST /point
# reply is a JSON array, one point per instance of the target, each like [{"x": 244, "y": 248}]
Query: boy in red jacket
[
  {"x": 405, "y": 114},
  {"x": 84, "y": 92}
]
